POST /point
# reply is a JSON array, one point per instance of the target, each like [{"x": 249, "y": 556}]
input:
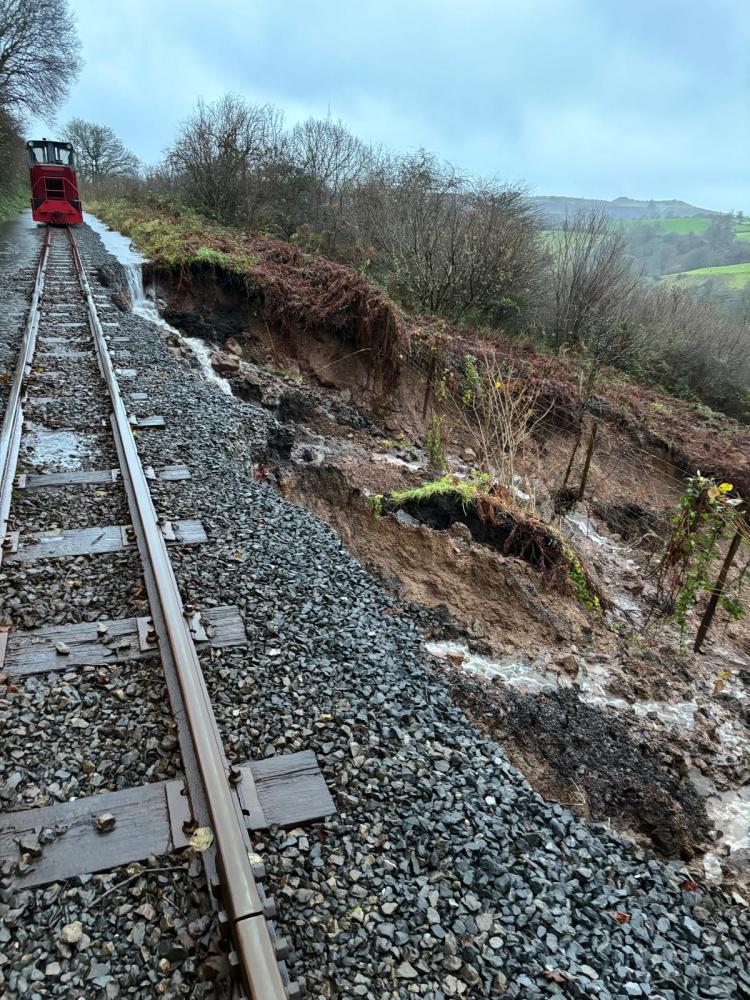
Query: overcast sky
[{"x": 596, "y": 98}]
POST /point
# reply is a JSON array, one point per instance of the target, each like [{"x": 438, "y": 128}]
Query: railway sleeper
[
  {"x": 104, "y": 831},
  {"x": 64, "y": 542},
  {"x": 105, "y": 642},
  {"x": 95, "y": 477}
]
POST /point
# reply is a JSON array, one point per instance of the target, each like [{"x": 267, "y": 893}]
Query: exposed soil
[
  {"x": 592, "y": 761},
  {"x": 648, "y": 773},
  {"x": 497, "y": 598}
]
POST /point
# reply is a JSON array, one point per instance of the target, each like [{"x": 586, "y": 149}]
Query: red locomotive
[{"x": 54, "y": 188}]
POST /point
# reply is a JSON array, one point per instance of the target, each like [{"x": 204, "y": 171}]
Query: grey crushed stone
[
  {"x": 524, "y": 892},
  {"x": 70, "y": 734}
]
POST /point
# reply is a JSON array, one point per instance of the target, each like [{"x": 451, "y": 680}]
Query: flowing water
[
  {"x": 729, "y": 811},
  {"x": 144, "y": 304}
]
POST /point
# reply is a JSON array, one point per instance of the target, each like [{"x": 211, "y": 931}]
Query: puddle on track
[
  {"x": 56, "y": 450},
  {"x": 115, "y": 243}
]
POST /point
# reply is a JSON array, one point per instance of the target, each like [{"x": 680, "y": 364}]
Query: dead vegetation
[{"x": 292, "y": 290}]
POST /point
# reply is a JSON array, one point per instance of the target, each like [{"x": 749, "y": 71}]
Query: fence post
[
  {"x": 573, "y": 454},
  {"x": 428, "y": 386},
  {"x": 721, "y": 579},
  {"x": 587, "y": 463}
]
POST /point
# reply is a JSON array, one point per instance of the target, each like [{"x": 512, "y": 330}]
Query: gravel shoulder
[{"x": 444, "y": 873}]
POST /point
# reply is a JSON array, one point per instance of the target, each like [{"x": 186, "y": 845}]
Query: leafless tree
[
  {"x": 690, "y": 340},
  {"x": 99, "y": 153},
  {"x": 589, "y": 281},
  {"x": 500, "y": 410},
  {"x": 222, "y": 151},
  {"x": 328, "y": 151},
  {"x": 454, "y": 244},
  {"x": 12, "y": 159},
  {"x": 333, "y": 161},
  {"x": 39, "y": 55}
]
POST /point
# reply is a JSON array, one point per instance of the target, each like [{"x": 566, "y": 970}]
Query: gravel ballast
[{"x": 443, "y": 874}]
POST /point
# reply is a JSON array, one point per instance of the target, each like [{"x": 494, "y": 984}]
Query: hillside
[
  {"x": 708, "y": 252},
  {"x": 296, "y": 291},
  {"x": 367, "y": 440},
  {"x": 698, "y": 248},
  {"x": 556, "y": 207}
]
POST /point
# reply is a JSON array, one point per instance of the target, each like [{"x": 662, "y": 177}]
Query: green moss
[
  {"x": 583, "y": 591},
  {"x": 175, "y": 238},
  {"x": 658, "y": 407},
  {"x": 207, "y": 255}
]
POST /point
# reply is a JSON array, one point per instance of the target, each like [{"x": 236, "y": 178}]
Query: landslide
[
  {"x": 271, "y": 289},
  {"x": 492, "y": 594},
  {"x": 293, "y": 333}
]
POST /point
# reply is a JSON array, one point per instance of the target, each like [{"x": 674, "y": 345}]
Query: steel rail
[
  {"x": 10, "y": 434},
  {"x": 255, "y": 950}
]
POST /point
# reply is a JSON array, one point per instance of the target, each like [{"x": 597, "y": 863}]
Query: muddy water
[
  {"x": 203, "y": 357},
  {"x": 532, "y": 677},
  {"x": 729, "y": 811}
]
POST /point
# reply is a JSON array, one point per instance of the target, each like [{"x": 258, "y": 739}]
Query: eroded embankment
[
  {"x": 608, "y": 747},
  {"x": 588, "y": 757},
  {"x": 327, "y": 321}
]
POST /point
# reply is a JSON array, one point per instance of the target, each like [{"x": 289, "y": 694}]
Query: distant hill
[{"x": 557, "y": 207}]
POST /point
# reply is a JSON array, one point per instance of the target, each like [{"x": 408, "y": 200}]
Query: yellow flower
[
  {"x": 712, "y": 493},
  {"x": 726, "y": 487}
]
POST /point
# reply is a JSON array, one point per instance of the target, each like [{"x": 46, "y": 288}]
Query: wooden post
[
  {"x": 428, "y": 387},
  {"x": 587, "y": 463},
  {"x": 572, "y": 458},
  {"x": 718, "y": 588}
]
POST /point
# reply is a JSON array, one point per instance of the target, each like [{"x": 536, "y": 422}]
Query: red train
[{"x": 54, "y": 187}]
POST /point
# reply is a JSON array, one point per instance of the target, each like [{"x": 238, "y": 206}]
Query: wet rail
[{"x": 219, "y": 797}]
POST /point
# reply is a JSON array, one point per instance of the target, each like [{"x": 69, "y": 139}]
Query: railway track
[{"x": 215, "y": 806}]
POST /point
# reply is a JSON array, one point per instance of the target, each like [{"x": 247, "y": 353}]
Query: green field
[
  {"x": 731, "y": 275},
  {"x": 679, "y": 224}
]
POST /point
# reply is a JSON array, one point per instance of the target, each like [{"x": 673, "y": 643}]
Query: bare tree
[
  {"x": 590, "y": 282},
  {"x": 328, "y": 151},
  {"x": 455, "y": 245},
  {"x": 500, "y": 409},
  {"x": 688, "y": 340},
  {"x": 99, "y": 153},
  {"x": 39, "y": 55},
  {"x": 333, "y": 161},
  {"x": 222, "y": 151}
]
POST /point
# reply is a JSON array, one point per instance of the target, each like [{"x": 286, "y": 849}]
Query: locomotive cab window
[
  {"x": 63, "y": 154},
  {"x": 56, "y": 153}
]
